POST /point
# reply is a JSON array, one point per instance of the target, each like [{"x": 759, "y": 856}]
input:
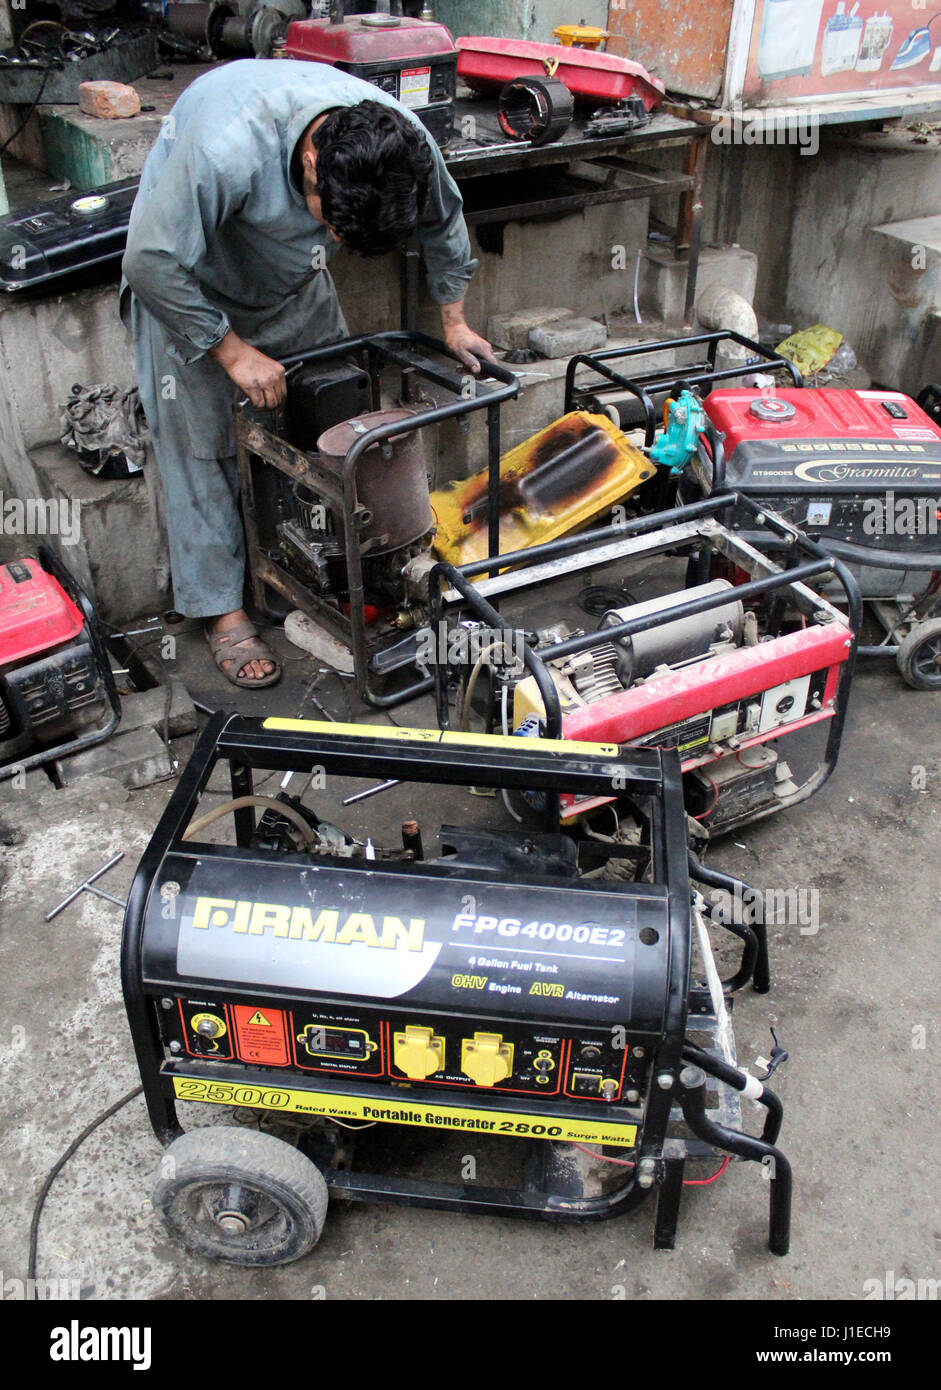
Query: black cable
[
  {"x": 54, "y": 1173},
  {"x": 26, "y": 119}
]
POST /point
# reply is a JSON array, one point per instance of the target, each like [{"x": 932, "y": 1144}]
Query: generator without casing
[
  {"x": 491, "y": 989},
  {"x": 721, "y": 670}
]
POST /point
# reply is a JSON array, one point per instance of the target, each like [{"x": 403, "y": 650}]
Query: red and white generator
[
  {"x": 57, "y": 692},
  {"x": 723, "y": 669}
]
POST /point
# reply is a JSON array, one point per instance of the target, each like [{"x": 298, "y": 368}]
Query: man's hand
[
  {"x": 260, "y": 377},
  {"x": 461, "y": 339}
]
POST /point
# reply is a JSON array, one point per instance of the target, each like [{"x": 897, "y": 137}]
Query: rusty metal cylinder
[
  {"x": 391, "y": 480},
  {"x": 189, "y": 20}
]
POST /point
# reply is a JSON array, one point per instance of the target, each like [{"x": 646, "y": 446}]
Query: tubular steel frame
[
  {"x": 253, "y": 439},
  {"x": 793, "y": 541},
  {"x": 247, "y": 746}
]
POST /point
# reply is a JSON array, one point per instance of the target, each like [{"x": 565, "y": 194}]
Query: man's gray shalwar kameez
[{"x": 220, "y": 238}]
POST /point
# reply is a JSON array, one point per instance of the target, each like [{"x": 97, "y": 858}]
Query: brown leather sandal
[{"x": 221, "y": 645}]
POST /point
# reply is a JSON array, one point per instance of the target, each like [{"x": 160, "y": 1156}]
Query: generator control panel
[{"x": 592, "y": 1063}]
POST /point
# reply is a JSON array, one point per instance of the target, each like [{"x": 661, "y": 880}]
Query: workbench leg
[{"x": 689, "y": 225}]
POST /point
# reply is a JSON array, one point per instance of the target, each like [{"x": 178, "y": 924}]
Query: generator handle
[
  {"x": 755, "y": 962},
  {"x": 692, "y": 1088},
  {"x": 663, "y": 377},
  {"x": 883, "y": 559},
  {"x": 487, "y": 613},
  {"x": 740, "y": 1080},
  {"x": 589, "y": 360}
]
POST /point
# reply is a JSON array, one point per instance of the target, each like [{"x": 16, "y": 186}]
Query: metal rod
[
  {"x": 100, "y": 893},
  {"x": 82, "y": 886},
  {"x": 372, "y": 791}
]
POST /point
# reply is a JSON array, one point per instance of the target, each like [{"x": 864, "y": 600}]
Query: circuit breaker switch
[
  {"x": 486, "y": 1059},
  {"x": 417, "y": 1052}
]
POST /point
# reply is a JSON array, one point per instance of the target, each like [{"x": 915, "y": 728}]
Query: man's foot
[{"x": 251, "y": 662}]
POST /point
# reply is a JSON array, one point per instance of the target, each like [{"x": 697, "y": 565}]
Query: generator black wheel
[
  {"x": 241, "y": 1195},
  {"x": 919, "y": 656}
]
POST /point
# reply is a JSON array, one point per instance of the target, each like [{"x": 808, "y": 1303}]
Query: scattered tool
[{"x": 88, "y": 887}]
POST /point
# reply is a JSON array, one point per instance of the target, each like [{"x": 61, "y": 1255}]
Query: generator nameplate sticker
[
  {"x": 420, "y": 1114},
  {"x": 414, "y": 86}
]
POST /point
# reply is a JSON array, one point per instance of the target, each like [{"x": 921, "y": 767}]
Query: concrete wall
[
  {"x": 566, "y": 262},
  {"x": 45, "y": 346},
  {"x": 809, "y": 218},
  {"x": 521, "y": 19}
]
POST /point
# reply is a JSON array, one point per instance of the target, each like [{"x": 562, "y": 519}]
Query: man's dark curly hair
[{"x": 373, "y": 168}]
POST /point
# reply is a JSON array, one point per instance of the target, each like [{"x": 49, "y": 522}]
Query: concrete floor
[{"x": 855, "y": 1004}]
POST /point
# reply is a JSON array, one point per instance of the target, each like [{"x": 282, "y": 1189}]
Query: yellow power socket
[
  {"x": 486, "y": 1059},
  {"x": 417, "y": 1052}
]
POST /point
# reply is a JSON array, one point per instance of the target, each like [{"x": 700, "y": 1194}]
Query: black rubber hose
[
  {"x": 737, "y": 1079},
  {"x": 716, "y": 879}
]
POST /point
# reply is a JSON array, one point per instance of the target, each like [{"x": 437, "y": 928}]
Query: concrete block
[
  {"x": 566, "y": 338},
  {"x": 22, "y": 786},
  {"x": 144, "y": 709},
  {"x": 134, "y": 759},
  {"x": 111, "y": 532},
  {"x": 663, "y": 278},
  {"x": 512, "y": 330},
  {"x": 899, "y": 344},
  {"x": 304, "y": 632}
]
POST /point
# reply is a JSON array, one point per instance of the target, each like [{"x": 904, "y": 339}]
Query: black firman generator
[{"x": 502, "y": 985}]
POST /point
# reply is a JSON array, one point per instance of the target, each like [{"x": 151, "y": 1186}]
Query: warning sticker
[
  {"x": 414, "y": 85},
  {"x": 506, "y": 1122},
  {"x": 261, "y": 1035}
]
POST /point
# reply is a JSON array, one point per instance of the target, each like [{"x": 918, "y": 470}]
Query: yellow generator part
[
  {"x": 580, "y": 35},
  {"x": 558, "y": 481}
]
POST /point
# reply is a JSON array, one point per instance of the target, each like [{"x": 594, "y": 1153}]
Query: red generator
[
  {"x": 725, "y": 670},
  {"x": 57, "y": 692},
  {"x": 414, "y": 60},
  {"x": 858, "y": 470}
]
